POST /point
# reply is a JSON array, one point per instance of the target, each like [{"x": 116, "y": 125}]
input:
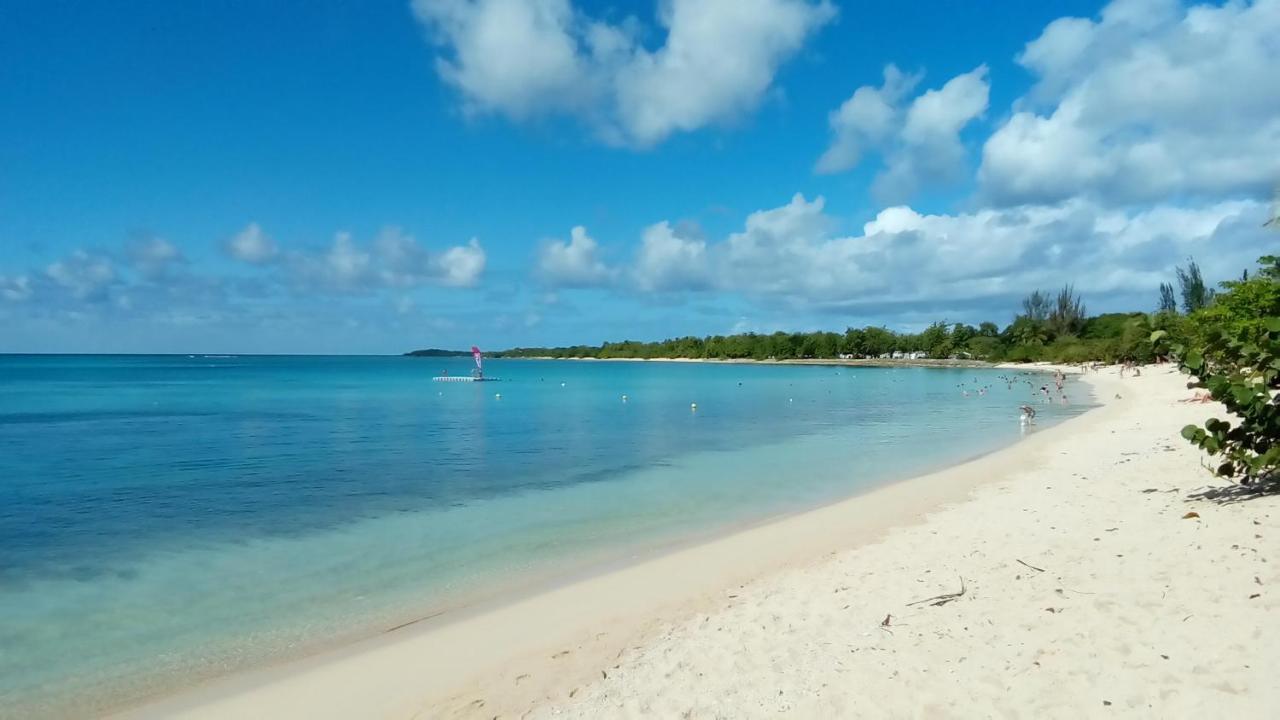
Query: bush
[
  {"x": 1070, "y": 350},
  {"x": 1244, "y": 376},
  {"x": 1025, "y": 353}
]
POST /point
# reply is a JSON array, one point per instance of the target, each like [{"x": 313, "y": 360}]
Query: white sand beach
[{"x": 1086, "y": 593}]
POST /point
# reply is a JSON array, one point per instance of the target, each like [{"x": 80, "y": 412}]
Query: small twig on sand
[
  {"x": 1033, "y": 567},
  {"x": 939, "y": 600}
]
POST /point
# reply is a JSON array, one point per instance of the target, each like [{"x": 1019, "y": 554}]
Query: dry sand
[{"x": 1086, "y": 594}]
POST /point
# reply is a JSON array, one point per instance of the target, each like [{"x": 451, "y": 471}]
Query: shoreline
[
  {"x": 819, "y": 362},
  {"x": 417, "y": 664}
]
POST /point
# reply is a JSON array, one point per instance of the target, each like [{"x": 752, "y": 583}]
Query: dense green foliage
[
  {"x": 1232, "y": 350},
  {"x": 1052, "y": 328}
]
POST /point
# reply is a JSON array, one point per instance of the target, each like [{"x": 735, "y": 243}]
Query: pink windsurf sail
[{"x": 475, "y": 353}]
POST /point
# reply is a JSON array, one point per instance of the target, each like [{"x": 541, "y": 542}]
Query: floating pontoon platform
[{"x": 462, "y": 378}]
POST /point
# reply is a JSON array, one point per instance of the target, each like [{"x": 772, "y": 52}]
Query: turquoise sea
[{"x": 169, "y": 518}]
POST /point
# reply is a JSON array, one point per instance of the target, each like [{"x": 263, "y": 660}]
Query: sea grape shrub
[{"x": 1241, "y": 370}]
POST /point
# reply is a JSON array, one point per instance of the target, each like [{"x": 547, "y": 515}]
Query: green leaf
[
  {"x": 1194, "y": 360},
  {"x": 1272, "y": 324},
  {"x": 1243, "y": 394},
  {"x": 1189, "y": 431}
]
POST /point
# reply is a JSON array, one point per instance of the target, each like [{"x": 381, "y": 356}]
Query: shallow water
[{"x": 165, "y": 518}]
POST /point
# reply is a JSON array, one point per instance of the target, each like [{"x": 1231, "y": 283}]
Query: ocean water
[{"x": 169, "y": 518}]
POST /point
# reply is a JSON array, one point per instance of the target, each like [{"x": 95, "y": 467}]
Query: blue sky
[{"x": 375, "y": 177}]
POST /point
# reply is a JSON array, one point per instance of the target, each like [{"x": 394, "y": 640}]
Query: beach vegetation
[
  {"x": 1196, "y": 295},
  {"x": 1168, "y": 301},
  {"x": 1233, "y": 354},
  {"x": 1050, "y": 327}
]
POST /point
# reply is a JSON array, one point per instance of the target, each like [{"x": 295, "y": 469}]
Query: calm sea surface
[{"x": 164, "y": 518}]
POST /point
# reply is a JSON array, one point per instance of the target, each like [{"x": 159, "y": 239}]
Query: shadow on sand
[{"x": 1228, "y": 494}]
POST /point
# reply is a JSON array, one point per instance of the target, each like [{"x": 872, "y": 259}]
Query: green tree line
[{"x": 1050, "y": 327}]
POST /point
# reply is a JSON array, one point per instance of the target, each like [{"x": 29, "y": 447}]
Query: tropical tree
[
  {"x": 1244, "y": 304},
  {"x": 936, "y": 340},
  {"x": 1067, "y": 315},
  {"x": 1195, "y": 294},
  {"x": 1168, "y": 301},
  {"x": 1026, "y": 331},
  {"x": 1036, "y": 306}
]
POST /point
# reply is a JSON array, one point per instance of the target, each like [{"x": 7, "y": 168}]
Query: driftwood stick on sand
[
  {"x": 1033, "y": 567},
  {"x": 939, "y": 600}
]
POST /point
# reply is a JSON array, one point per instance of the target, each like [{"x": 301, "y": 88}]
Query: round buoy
[
  {"x": 561, "y": 384},
  {"x": 791, "y": 399},
  {"x": 693, "y": 406},
  {"x": 624, "y": 398},
  {"x": 497, "y": 396}
]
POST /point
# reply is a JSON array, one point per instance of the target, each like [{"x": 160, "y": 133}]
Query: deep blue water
[{"x": 170, "y": 517}]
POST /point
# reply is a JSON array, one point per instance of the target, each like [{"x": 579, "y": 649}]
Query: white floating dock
[{"x": 461, "y": 378}]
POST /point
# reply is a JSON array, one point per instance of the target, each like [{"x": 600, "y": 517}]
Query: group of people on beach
[{"x": 1132, "y": 367}]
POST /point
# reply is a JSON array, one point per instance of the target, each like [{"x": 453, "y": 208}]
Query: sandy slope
[
  {"x": 1137, "y": 611},
  {"x": 1133, "y": 610}
]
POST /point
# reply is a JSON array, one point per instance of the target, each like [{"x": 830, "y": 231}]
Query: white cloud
[
  {"x": 462, "y": 265},
  {"x": 517, "y": 57},
  {"x": 719, "y": 59},
  {"x": 904, "y": 257},
  {"x": 919, "y": 142},
  {"x": 526, "y": 58},
  {"x": 575, "y": 263},
  {"x": 252, "y": 245},
  {"x": 1151, "y": 100},
  {"x": 669, "y": 260},
  {"x": 85, "y": 275},
  {"x": 153, "y": 257},
  {"x": 394, "y": 260},
  {"x": 866, "y": 120},
  {"x": 345, "y": 265},
  {"x": 15, "y": 289}
]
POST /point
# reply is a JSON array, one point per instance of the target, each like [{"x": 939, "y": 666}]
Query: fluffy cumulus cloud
[
  {"x": 393, "y": 260},
  {"x": 573, "y": 264},
  {"x": 903, "y": 258},
  {"x": 1150, "y": 100},
  {"x": 526, "y": 58},
  {"x": 252, "y": 245},
  {"x": 669, "y": 259},
  {"x": 919, "y": 140},
  {"x": 866, "y": 121}
]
